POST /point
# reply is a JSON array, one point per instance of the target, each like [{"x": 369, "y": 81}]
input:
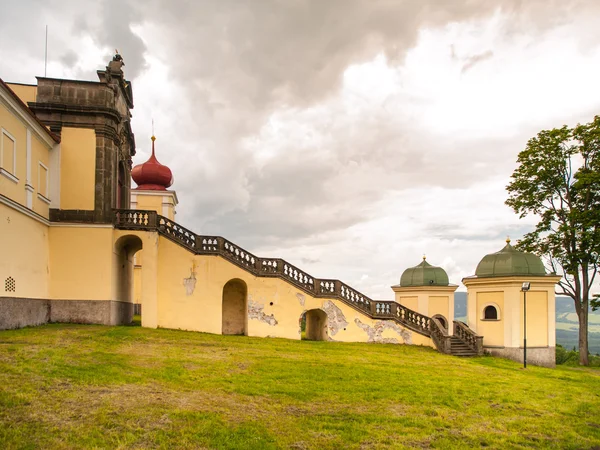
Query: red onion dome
[{"x": 152, "y": 175}]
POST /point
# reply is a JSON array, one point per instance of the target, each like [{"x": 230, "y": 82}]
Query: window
[
  {"x": 8, "y": 155},
  {"x": 43, "y": 182},
  {"x": 490, "y": 313}
]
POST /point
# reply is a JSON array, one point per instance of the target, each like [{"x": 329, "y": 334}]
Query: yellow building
[
  {"x": 426, "y": 289},
  {"x": 496, "y": 306},
  {"x": 65, "y": 160},
  {"x": 79, "y": 245}
]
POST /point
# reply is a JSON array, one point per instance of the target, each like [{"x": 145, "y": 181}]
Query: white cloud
[{"x": 349, "y": 144}]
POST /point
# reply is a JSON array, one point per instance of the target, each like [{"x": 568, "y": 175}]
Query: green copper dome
[
  {"x": 508, "y": 262},
  {"x": 424, "y": 275}
]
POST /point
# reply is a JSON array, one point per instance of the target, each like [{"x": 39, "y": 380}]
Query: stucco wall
[
  {"x": 24, "y": 254},
  {"x": 41, "y": 176},
  {"x": 190, "y": 290},
  {"x": 17, "y": 130},
  {"x": 26, "y": 92},
  {"x": 77, "y": 168},
  {"x": 81, "y": 263},
  {"x": 491, "y": 330},
  {"x": 537, "y": 319},
  {"x": 505, "y": 336},
  {"x": 438, "y": 304},
  {"x": 411, "y": 302}
]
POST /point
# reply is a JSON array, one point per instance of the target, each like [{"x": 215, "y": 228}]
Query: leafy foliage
[
  {"x": 558, "y": 180},
  {"x": 571, "y": 357}
]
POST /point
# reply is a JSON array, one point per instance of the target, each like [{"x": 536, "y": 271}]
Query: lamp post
[{"x": 524, "y": 288}]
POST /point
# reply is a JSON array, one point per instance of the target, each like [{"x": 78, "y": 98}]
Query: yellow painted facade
[
  {"x": 410, "y": 301},
  {"x": 190, "y": 294},
  {"x": 81, "y": 262},
  {"x": 429, "y": 301},
  {"x": 13, "y": 156},
  {"x": 25, "y": 254},
  {"x": 537, "y": 323},
  {"x": 77, "y": 168},
  {"x": 491, "y": 329},
  {"x": 26, "y": 92},
  {"x": 505, "y": 294},
  {"x": 163, "y": 202},
  {"x": 65, "y": 246}
]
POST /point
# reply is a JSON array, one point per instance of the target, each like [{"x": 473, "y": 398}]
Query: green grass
[{"x": 76, "y": 386}]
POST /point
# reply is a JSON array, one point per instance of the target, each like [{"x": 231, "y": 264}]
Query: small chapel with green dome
[
  {"x": 496, "y": 305},
  {"x": 426, "y": 289}
]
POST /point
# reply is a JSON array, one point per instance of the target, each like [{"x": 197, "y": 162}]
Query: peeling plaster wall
[
  {"x": 336, "y": 320},
  {"x": 376, "y": 332},
  {"x": 190, "y": 283},
  {"x": 274, "y": 306},
  {"x": 256, "y": 311}
]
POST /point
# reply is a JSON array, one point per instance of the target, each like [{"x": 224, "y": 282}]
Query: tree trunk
[{"x": 583, "y": 333}]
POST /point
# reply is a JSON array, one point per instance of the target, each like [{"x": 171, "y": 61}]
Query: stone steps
[{"x": 459, "y": 348}]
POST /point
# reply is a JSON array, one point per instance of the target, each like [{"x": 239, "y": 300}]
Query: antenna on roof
[{"x": 46, "y": 52}]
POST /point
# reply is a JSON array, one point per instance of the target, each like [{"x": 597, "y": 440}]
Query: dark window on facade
[{"x": 490, "y": 312}]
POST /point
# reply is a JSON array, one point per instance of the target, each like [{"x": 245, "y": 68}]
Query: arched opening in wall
[
  {"x": 235, "y": 308},
  {"x": 125, "y": 249},
  {"x": 442, "y": 320},
  {"x": 490, "y": 312},
  {"x": 316, "y": 325}
]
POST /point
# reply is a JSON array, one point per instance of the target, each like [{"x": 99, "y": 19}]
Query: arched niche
[{"x": 235, "y": 308}]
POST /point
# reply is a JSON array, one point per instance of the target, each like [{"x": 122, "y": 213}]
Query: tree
[{"x": 558, "y": 180}]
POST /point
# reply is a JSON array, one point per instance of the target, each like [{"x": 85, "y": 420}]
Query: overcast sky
[{"x": 348, "y": 137}]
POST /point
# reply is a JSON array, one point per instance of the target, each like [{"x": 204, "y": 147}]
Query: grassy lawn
[{"x": 77, "y": 386}]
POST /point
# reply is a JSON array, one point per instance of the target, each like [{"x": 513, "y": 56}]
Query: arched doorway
[
  {"x": 316, "y": 325},
  {"x": 125, "y": 249},
  {"x": 442, "y": 320},
  {"x": 235, "y": 308}
]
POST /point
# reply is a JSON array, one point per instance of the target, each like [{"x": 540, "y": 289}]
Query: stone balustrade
[{"x": 275, "y": 267}]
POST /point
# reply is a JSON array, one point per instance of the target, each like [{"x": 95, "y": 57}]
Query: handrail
[
  {"x": 440, "y": 337},
  {"x": 468, "y": 336},
  {"x": 273, "y": 267}
]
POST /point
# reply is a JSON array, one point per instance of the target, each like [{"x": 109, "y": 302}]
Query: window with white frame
[
  {"x": 8, "y": 155},
  {"x": 490, "y": 312},
  {"x": 43, "y": 181}
]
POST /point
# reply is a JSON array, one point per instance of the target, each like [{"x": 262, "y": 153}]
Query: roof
[
  {"x": 509, "y": 262},
  {"x": 424, "y": 274},
  {"x": 26, "y": 108}
]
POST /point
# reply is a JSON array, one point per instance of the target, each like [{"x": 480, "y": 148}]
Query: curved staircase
[{"x": 464, "y": 338}]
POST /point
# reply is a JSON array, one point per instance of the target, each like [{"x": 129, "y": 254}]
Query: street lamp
[{"x": 524, "y": 288}]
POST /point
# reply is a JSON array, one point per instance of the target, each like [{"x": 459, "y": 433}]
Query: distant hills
[{"x": 566, "y": 322}]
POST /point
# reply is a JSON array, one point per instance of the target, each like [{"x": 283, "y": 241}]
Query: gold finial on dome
[
  {"x": 508, "y": 239},
  {"x": 424, "y": 257},
  {"x": 153, "y": 138}
]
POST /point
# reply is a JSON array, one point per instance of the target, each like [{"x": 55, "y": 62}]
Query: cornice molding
[
  {"x": 18, "y": 110},
  {"x": 23, "y": 209}
]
